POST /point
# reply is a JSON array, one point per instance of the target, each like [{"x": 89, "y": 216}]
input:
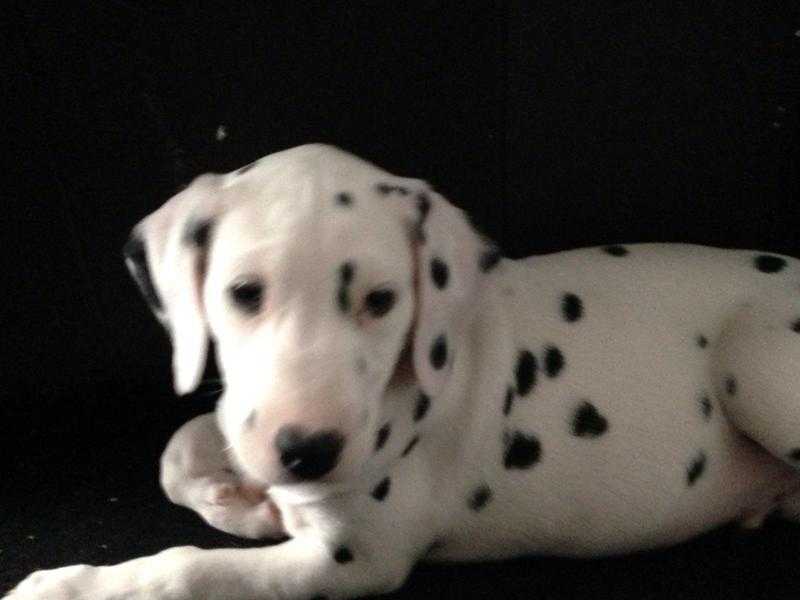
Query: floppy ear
[
  {"x": 166, "y": 256},
  {"x": 451, "y": 258}
]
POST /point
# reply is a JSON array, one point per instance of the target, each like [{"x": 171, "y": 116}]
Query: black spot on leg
[
  {"x": 553, "y": 361},
  {"x": 769, "y": 264},
  {"x": 410, "y": 446},
  {"x": 509, "y": 401},
  {"x": 571, "y": 307},
  {"x": 702, "y": 341},
  {"x": 344, "y": 199},
  {"x": 343, "y": 555},
  {"x": 382, "y": 489},
  {"x": 522, "y": 450},
  {"x": 438, "y": 355},
  {"x": 490, "y": 259},
  {"x": 730, "y": 385},
  {"x": 421, "y": 409},
  {"x": 440, "y": 273},
  {"x": 588, "y": 422},
  {"x": 616, "y": 250},
  {"x": 383, "y": 436},
  {"x": 480, "y": 498},
  {"x": 525, "y": 372},
  {"x": 696, "y": 468}
]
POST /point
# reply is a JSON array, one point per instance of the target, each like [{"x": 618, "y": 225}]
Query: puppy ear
[
  {"x": 451, "y": 259},
  {"x": 166, "y": 256}
]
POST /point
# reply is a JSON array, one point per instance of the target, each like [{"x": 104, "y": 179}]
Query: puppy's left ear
[{"x": 166, "y": 256}]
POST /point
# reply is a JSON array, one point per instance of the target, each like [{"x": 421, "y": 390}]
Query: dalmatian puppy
[{"x": 395, "y": 390}]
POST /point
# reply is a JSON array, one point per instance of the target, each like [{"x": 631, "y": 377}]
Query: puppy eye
[
  {"x": 247, "y": 294},
  {"x": 379, "y": 302}
]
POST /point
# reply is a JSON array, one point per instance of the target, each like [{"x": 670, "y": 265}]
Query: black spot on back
[
  {"x": 509, "y": 401},
  {"x": 553, "y": 361},
  {"x": 440, "y": 273},
  {"x": 438, "y": 354},
  {"x": 480, "y": 498},
  {"x": 383, "y": 436},
  {"x": 522, "y": 450},
  {"x": 421, "y": 409},
  {"x": 490, "y": 259},
  {"x": 616, "y": 250},
  {"x": 571, "y": 307},
  {"x": 343, "y": 555},
  {"x": 344, "y": 199},
  {"x": 588, "y": 422},
  {"x": 381, "y": 490},
  {"x": 525, "y": 372},
  {"x": 696, "y": 468},
  {"x": 769, "y": 264},
  {"x": 706, "y": 407},
  {"x": 702, "y": 341},
  {"x": 730, "y": 385},
  {"x": 410, "y": 446}
]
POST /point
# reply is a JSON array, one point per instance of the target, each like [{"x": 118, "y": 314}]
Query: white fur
[{"x": 633, "y": 355}]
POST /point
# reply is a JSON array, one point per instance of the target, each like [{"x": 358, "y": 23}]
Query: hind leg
[
  {"x": 756, "y": 372},
  {"x": 196, "y": 473}
]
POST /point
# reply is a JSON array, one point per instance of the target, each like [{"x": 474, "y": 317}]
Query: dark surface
[{"x": 556, "y": 125}]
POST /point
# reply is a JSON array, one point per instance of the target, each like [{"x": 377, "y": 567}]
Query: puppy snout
[{"x": 308, "y": 456}]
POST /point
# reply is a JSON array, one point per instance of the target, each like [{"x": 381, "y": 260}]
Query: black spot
[
  {"x": 343, "y": 555},
  {"x": 489, "y": 259},
  {"x": 439, "y": 352},
  {"x": 730, "y": 385},
  {"x": 381, "y": 490},
  {"x": 383, "y": 436},
  {"x": 386, "y": 188},
  {"x": 588, "y": 422},
  {"x": 794, "y": 454},
  {"x": 769, "y": 264},
  {"x": 509, "y": 401},
  {"x": 344, "y": 199},
  {"x": 553, "y": 361},
  {"x": 423, "y": 206},
  {"x": 440, "y": 273},
  {"x": 616, "y": 250},
  {"x": 571, "y": 307},
  {"x": 197, "y": 233},
  {"x": 796, "y": 326},
  {"x": 480, "y": 498},
  {"x": 246, "y": 168},
  {"x": 346, "y": 272},
  {"x": 696, "y": 468},
  {"x": 423, "y": 404},
  {"x": 525, "y": 372},
  {"x": 702, "y": 341},
  {"x": 521, "y": 450},
  {"x": 134, "y": 250},
  {"x": 706, "y": 407},
  {"x": 410, "y": 446}
]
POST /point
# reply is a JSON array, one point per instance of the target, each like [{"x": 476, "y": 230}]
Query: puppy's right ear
[{"x": 166, "y": 256}]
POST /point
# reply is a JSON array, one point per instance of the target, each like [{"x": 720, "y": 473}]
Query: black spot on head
[
  {"x": 706, "y": 407},
  {"x": 423, "y": 404},
  {"x": 553, "y": 361},
  {"x": 410, "y": 446},
  {"x": 383, "y": 436},
  {"x": 197, "y": 233},
  {"x": 344, "y": 199},
  {"x": 702, "y": 341},
  {"x": 522, "y": 450},
  {"x": 381, "y": 490},
  {"x": 246, "y": 168},
  {"x": 489, "y": 259},
  {"x": 794, "y": 454},
  {"x": 769, "y": 264},
  {"x": 696, "y": 468},
  {"x": 423, "y": 206},
  {"x": 480, "y": 498},
  {"x": 730, "y": 385},
  {"x": 525, "y": 372},
  {"x": 616, "y": 250},
  {"x": 440, "y": 272},
  {"x": 343, "y": 555},
  {"x": 438, "y": 356},
  {"x": 588, "y": 422},
  {"x": 796, "y": 326},
  {"x": 509, "y": 401},
  {"x": 134, "y": 251},
  {"x": 571, "y": 307}
]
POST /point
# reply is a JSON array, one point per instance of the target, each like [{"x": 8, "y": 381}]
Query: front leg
[
  {"x": 299, "y": 569},
  {"x": 196, "y": 473}
]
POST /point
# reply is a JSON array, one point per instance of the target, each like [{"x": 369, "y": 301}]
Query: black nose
[{"x": 308, "y": 456}]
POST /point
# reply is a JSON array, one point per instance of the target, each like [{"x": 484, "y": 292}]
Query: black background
[{"x": 556, "y": 124}]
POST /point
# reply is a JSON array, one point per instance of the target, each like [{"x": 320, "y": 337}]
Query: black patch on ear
[
  {"x": 197, "y": 233},
  {"x": 134, "y": 250},
  {"x": 490, "y": 259}
]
